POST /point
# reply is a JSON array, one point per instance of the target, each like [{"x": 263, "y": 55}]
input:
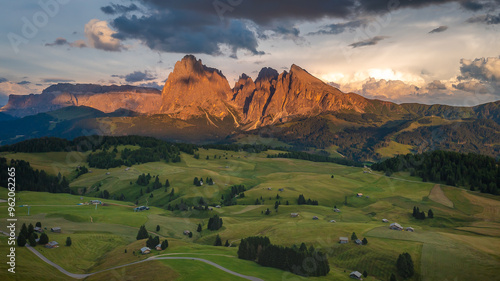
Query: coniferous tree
[
  {"x": 405, "y": 265},
  {"x": 143, "y": 233},
  {"x": 430, "y": 214},
  {"x": 44, "y": 239},
  {"x": 364, "y": 241},
  {"x": 227, "y": 243},
  {"x": 354, "y": 237},
  {"x": 32, "y": 240},
  {"x": 199, "y": 228},
  {"x": 167, "y": 183},
  {"x": 393, "y": 277},
  {"x": 21, "y": 240},
  {"x": 24, "y": 230},
  {"x": 68, "y": 241},
  {"x": 157, "y": 227},
  {"x": 31, "y": 229},
  {"x": 164, "y": 244},
  {"x": 38, "y": 224},
  {"x": 218, "y": 241}
]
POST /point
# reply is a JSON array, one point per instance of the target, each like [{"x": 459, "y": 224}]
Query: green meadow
[{"x": 459, "y": 243}]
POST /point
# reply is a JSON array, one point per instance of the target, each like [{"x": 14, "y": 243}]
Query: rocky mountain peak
[{"x": 266, "y": 74}]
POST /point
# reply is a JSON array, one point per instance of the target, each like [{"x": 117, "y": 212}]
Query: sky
[{"x": 425, "y": 51}]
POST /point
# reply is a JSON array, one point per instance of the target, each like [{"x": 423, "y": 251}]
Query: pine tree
[
  {"x": 143, "y": 233},
  {"x": 68, "y": 241},
  {"x": 405, "y": 265},
  {"x": 164, "y": 244},
  {"x": 44, "y": 239},
  {"x": 354, "y": 237},
  {"x": 32, "y": 240},
  {"x": 38, "y": 224},
  {"x": 227, "y": 243},
  {"x": 158, "y": 227},
  {"x": 196, "y": 181},
  {"x": 365, "y": 274},
  {"x": 199, "y": 228},
  {"x": 31, "y": 229},
  {"x": 430, "y": 214},
  {"x": 218, "y": 241},
  {"x": 21, "y": 240},
  {"x": 24, "y": 231},
  {"x": 364, "y": 241},
  {"x": 414, "y": 212},
  {"x": 167, "y": 183},
  {"x": 393, "y": 277}
]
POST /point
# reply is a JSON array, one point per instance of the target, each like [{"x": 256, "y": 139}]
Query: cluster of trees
[
  {"x": 354, "y": 237},
  {"x": 80, "y": 170},
  {"x": 251, "y": 148},
  {"x": 32, "y": 180},
  {"x": 214, "y": 223},
  {"x": 302, "y": 201},
  {"x": 143, "y": 179},
  {"x": 300, "y": 261},
  {"x": 405, "y": 266},
  {"x": 316, "y": 158},
  {"x": 28, "y": 235},
  {"x": 420, "y": 215},
  {"x": 470, "y": 170},
  {"x": 143, "y": 233},
  {"x": 229, "y": 199},
  {"x": 104, "y": 160},
  {"x": 199, "y": 181}
]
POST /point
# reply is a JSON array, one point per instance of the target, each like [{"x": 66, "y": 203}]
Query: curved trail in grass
[{"x": 81, "y": 276}]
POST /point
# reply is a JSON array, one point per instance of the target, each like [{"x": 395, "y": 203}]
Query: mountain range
[{"x": 197, "y": 104}]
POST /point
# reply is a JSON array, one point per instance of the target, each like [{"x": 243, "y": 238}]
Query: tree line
[
  {"x": 473, "y": 171},
  {"x": 32, "y": 180},
  {"x": 316, "y": 158},
  {"x": 292, "y": 259},
  {"x": 302, "y": 201}
]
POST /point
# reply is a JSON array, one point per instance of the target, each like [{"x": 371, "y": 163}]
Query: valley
[{"x": 464, "y": 226}]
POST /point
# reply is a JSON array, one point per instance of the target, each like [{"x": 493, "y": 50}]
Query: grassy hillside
[{"x": 463, "y": 233}]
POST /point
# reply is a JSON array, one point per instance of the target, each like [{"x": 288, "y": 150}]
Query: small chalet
[
  {"x": 145, "y": 250},
  {"x": 343, "y": 240},
  {"x": 218, "y": 206},
  {"x": 356, "y": 275},
  {"x": 281, "y": 189},
  {"x": 52, "y": 244},
  {"x": 128, "y": 168},
  {"x": 186, "y": 232},
  {"x": 395, "y": 226},
  {"x": 359, "y": 195},
  {"x": 158, "y": 247},
  {"x": 56, "y": 229},
  {"x": 315, "y": 218},
  {"x": 269, "y": 188},
  {"x": 95, "y": 202},
  {"x": 108, "y": 173},
  {"x": 385, "y": 220},
  {"x": 336, "y": 210},
  {"x": 38, "y": 229},
  {"x": 411, "y": 229},
  {"x": 294, "y": 215},
  {"x": 333, "y": 221},
  {"x": 359, "y": 242}
]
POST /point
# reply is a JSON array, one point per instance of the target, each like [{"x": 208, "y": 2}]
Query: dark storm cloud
[
  {"x": 472, "y": 5},
  {"x": 212, "y": 27},
  {"x": 186, "y": 32},
  {"x": 2, "y": 80},
  {"x": 486, "y": 19},
  {"x": 24, "y": 82},
  {"x": 136, "y": 76},
  {"x": 436, "y": 85},
  {"x": 442, "y": 28},
  {"x": 338, "y": 28},
  {"x": 58, "y": 42},
  {"x": 118, "y": 9},
  {"x": 484, "y": 69},
  {"x": 368, "y": 42}
]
